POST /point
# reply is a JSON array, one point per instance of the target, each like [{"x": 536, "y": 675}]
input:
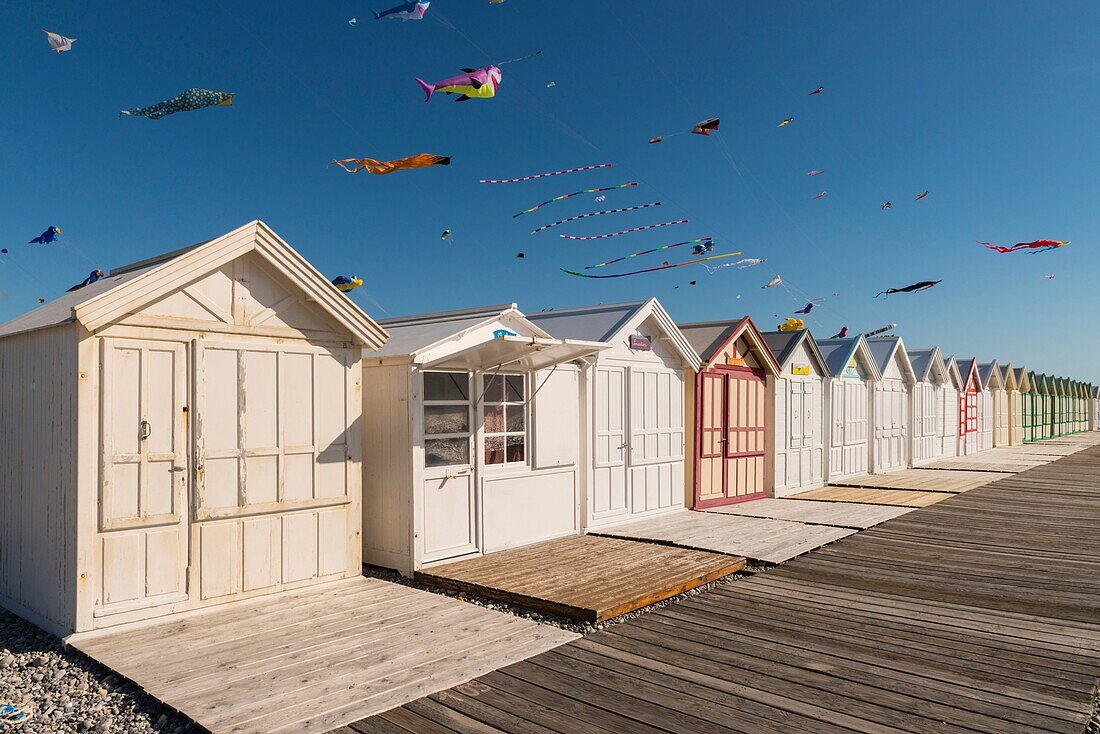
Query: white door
[
  {"x": 609, "y": 491},
  {"x": 449, "y": 506},
  {"x": 890, "y": 425},
  {"x": 804, "y": 453},
  {"x": 143, "y": 515},
  {"x": 949, "y": 432},
  {"x": 848, "y": 429},
  {"x": 986, "y": 420},
  {"x": 656, "y": 446}
]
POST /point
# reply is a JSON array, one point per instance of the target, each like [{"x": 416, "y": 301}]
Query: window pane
[
  {"x": 515, "y": 418},
  {"x": 446, "y": 386},
  {"x": 446, "y": 451},
  {"x": 446, "y": 419},
  {"x": 494, "y": 449},
  {"x": 515, "y": 388},
  {"x": 494, "y": 419},
  {"x": 494, "y": 388},
  {"x": 515, "y": 448}
]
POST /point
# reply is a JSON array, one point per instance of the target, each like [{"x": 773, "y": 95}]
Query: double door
[
  {"x": 891, "y": 425},
  {"x": 800, "y": 460},
  {"x": 848, "y": 441},
  {"x": 968, "y": 422},
  {"x": 731, "y": 420}
]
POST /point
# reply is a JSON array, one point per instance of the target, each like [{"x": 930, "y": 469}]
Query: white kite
[
  {"x": 57, "y": 42},
  {"x": 773, "y": 282}
]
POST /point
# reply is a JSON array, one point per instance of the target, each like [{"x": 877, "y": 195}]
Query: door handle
[
  {"x": 144, "y": 430},
  {"x": 178, "y": 468}
]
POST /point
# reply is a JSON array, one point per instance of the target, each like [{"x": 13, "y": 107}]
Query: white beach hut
[
  {"x": 632, "y": 420},
  {"x": 183, "y": 433},
  {"x": 928, "y": 409},
  {"x": 852, "y": 375},
  {"x": 890, "y": 447},
  {"x": 992, "y": 420},
  {"x": 949, "y": 429},
  {"x": 471, "y": 445},
  {"x": 798, "y": 428}
]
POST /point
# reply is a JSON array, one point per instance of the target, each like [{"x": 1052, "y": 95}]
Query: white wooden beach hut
[
  {"x": 632, "y": 420},
  {"x": 183, "y": 433},
  {"x": 968, "y": 407},
  {"x": 852, "y": 375},
  {"x": 1013, "y": 411},
  {"x": 1094, "y": 413},
  {"x": 928, "y": 408},
  {"x": 949, "y": 433},
  {"x": 798, "y": 428},
  {"x": 1019, "y": 400},
  {"x": 471, "y": 445},
  {"x": 890, "y": 447},
  {"x": 991, "y": 420}
]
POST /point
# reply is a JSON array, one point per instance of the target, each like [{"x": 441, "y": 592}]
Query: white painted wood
[
  {"x": 985, "y": 420},
  {"x": 848, "y": 437},
  {"x": 798, "y": 425},
  {"x": 556, "y": 414},
  {"x": 609, "y": 496},
  {"x": 656, "y": 439},
  {"x": 891, "y": 419}
]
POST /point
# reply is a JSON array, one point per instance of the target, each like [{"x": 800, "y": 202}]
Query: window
[
  {"x": 505, "y": 419},
  {"x": 446, "y": 418}
]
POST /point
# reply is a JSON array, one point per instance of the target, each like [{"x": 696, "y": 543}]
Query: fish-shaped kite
[
  {"x": 93, "y": 277},
  {"x": 344, "y": 283},
  {"x": 921, "y": 195},
  {"x": 58, "y": 42},
  {"x": 749, "y": 262},
  {"x": 913, "y": 288},
  {"x": 46, "y": 237},
  {"x": 819, "y": 90},
  {"x": 814, "y": 172},
  {"x": 186, "y": 101},
  {"x": 773, "y": 282},
  {"x": 405, "y": 11},
  {"x": 840, "y": 334},
  {"x": 381, "y": 168},
  {"x": 702, "y": 248},
  {"x": 1036, "y": 246},
  {"x": 885, "y": 205},
  {"x": 481, "y": 83},
  {"x": 791, "y": 324},
  {"x": 786, "y": 122},
  {"x": 821, "y": 195}
]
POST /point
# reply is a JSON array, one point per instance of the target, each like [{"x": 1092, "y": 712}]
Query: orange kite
[{"x": 380, "y": 168}]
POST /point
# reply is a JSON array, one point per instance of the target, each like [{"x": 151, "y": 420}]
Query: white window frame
[
  {"x": 471, "y": 431},
  {"x": 506, "y": 465}
]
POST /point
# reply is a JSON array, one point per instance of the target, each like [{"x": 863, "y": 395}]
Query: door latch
[{"x": 145, "y": 430}]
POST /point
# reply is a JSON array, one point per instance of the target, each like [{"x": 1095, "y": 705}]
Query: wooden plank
[
  {"x": 891, "y": 497},
  {"x": 925, "y": 480},
  {"x": 841, "y": 515}
]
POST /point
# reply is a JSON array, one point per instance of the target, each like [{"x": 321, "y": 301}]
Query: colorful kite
[
  {"x": 594, "y": 214},
  {"x": 885, "y": 205},
  {"x": 186, "y": 101},
  {"x": 840, "y": 334},
  {"x": 791, "y": 324},
  {"x": 381, "y": 168},
  {"x": 921, "y": 195},
  {"x": 702, "y": 248},
  {"x": 819, "y": 90},
  {"x": 344, "y": 284},
  {"x": 563, "y": 197},
  {"x": 405, "y": 11},
  {"x": 703, "y": 127},
  {"x": 1035, "y": 247},
  {"x": 46, "y": 237},
  {"x": 651, "y": 270},
  {"x": 821, "y": 195},
  {"x": 773, "y": 282},
  {"x": 93, "y": 277},
  {"x": 647, "y": 252},
  {"x": 544, "y": 175},
  {"x": 786, "y": 122},
  {"x": 622, "y": 232},
  {"x": 921, "y": 286},
  {"x": 479, "y": 83},
  {"x": 808, "y": 307},
  {"x": 57, "y": 42},
  {"x": 814, "y": 172}
]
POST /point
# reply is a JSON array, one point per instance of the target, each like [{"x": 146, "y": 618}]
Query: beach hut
[
  {"x": 1012, "y": 376},
  {"x": 1043, "y": 408},
  {"x": 928, "y": 421},
  {"x": 1025, "y": 381},
  {"x": 181, "y": 434},
  {"x": 1057, "y": 406},
  {"x": 471, "y": 421},
  {"x": 968, "y": 407},
  {"x": 852, "y": 376},
  {"x": 949, "y": 434},
  {"x": 1094, "y": 414},
  {"x": 798, "y": 428},
  {"x": 890, "y": 445},
  {"x": 729, "y": 406},
  {"x": 993, "y": 408},
  {"x": 632, "y": 422}
]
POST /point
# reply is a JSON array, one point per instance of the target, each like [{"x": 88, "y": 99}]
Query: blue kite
[
  {"x": 93, "y": 277},
  {"x": 405, "y": 11},
  {"x": 50, "y": 235}
]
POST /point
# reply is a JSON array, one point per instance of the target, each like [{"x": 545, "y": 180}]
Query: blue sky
[{"x": 991, "y": 107}]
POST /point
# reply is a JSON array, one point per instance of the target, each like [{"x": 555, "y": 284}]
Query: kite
[
  {"x": 814, "y": 172},
  {"x": 880, "y": 330},
  {"x": 786, "y": 122},
  {"x": 601, "y": 197},
  {"x": 186, "y": 101},
  {"x": 622, "y": 232},
  {"x": 840, "y": 334},
  {"x": 445, "y": 235},
  {"x": 749, "y": 262},
  {"x": 1036, "y": 246},
  {"x": 93, "y": 277},
  {"x": 344, "y": 284},
  {"x": 647, "y": 252},
  {"x": 551, "y": 84},
  {"x": 790, "y": 324},
  {"x": 819, "y": 90},
  {"x": 651, "y": 270},
  {"x": 773, "y": 282},
  {"x": 381, "y": 168},
  {"x": 703, "y": 248},
  {"x": 921, "y": 195},
  {"x": 885, "y": 205},
  {"x": 1050, "y": 277},
  {"x": 821, "y": 195},
  {"x": 656, "y": 139},
  {"x": 544, "y": 175},
  {"x": 808, "y": 307},
  {"x": 520, "y": 255},
  {"x": 921, "y": 286},
  {"x": 405, "y": 11},
  {"x": 46, "y": 237},
  {"x": 536, "y": 230},
  {"x": 703, "y": 127},
  {"x": 563, "y": 197},
  {"x": 4, "y": 251},
  {"x": 353, "y": 21},
  {"x": 57, "y": 42},
  {"x": 481, "y": 83}
]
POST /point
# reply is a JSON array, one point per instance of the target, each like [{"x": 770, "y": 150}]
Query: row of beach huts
[{"x": 221, "y": 423}]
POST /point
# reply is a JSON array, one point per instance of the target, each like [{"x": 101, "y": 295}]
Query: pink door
[{"x": 730, "y": 462}]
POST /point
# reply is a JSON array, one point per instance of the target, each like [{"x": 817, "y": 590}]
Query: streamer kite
[
  {"x": 381, "y": 168},
  {"x": 915, "y": 287},
  {"x": 819, "y": 90},
  {"x": 563, "y": 197},
  {"x": 478, "y": 83},
  {"x": 786, "y": 122},
  {"x": 791, "y": 324},
  {"x": 93, "y": 277},
  {"x": 186, "y": 101},
  {"x": 58, "y": 42},
  {"x": 405, "y": 11},
  {"x": 921, "y": 195},
  {"x": 594, "y": 214},
  {"x": 50, "y": 235},
  {"x": 1035, "y": 247},
  {"x": 622, "y": 232},
  {"x": 880, "y": 330},
  {"x": 651, "y": 270},
  {"x": 840, "y": 334},
  {"x": 647, "y": 252},
  {"x": 773, "y": 282},
  {"x": 544, "y": 175},
  {"x": 814, "y": 172},
  {"x": 749, "y": 262},
  {"x": 344, "y": 283}
]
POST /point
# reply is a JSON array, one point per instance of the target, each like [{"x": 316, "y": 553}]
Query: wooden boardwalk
[
  {"x": 976, "y": 615},
  {"x": 312, "y": 660},
  {"x": 584, "y": 577},
  {"x": 924, "y": 480},
  {"x": 837, "y": 514},
  {"x": 866, "y": 495}
]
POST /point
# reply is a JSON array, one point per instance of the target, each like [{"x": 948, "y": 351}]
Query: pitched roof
[
  {"x": 411, "y": 334},
  {"x": 783, "y": 345},
  {"x": 922, "y": 361},
  {"x": 991, "y": 373},
  {"x": 707, "y": 338},
  {"x": 837, "y": 353},
  {"x": 885, "y": 348}
]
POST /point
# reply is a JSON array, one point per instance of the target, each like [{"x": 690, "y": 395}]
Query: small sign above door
[
  {"x": 800, "y": 369},
  {"x": 641, "y": 343}
]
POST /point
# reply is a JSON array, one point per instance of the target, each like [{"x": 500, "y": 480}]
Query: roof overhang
[
  {"x": 517, "y": 353},
  {"x": 746, "y": 328}
]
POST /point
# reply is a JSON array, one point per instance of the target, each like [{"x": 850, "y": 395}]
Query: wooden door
[
  {"x": 449, "y": 502},
  {"x": 655, "y": 453},
  {"x": 745, "y": 432},
  {"x": 890, "y": 425},
  {"x": 710, "y": 481},
  {"x": 143, "y": 512},
  {"x": 609, "y": 488},
  {"x": 968, "y": 422},
  {"x": 949, "y": 430}
]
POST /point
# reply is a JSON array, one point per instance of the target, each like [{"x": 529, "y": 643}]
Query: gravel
[
  {"x": 64, "y": 691},
  {"x": 1094, "y": 722}
]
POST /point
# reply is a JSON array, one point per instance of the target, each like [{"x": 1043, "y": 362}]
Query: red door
[
  {"x": 730, "y": 463},
  {"x": 968, "y": 421}
]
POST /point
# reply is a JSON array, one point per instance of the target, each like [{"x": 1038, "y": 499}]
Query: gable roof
[
  {"x": 783, "y": 345},
  {"x": 1023, "y": 383},
  {"x": 604, "y": 323},
  {"x": 953, "y": 371},
  {"x": 971, "y": 368},
  {"x": 925, "y": 361},
  {"x": 1008, "y": 378},
  {"x": 131, "y": 287},
  {"x": 418, "y": 332},
  {"x": 885, "y": 349},
  {"x": 837, "y": 353},
  {"x": 708, "y": 338},
  {"x": 991, "y": 375}
]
